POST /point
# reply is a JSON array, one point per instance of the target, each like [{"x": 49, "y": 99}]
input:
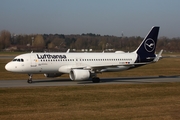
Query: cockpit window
[
  {"x": 15, "y": 60},
  {"x": 18, "y": 60}
]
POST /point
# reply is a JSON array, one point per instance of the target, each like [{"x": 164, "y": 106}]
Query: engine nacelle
[
  {"x": 79, "y": 74},
  {"x": 51, "y": 75}
]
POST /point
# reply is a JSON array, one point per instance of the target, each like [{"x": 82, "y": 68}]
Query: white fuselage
[{"x": 35, "y": 63}]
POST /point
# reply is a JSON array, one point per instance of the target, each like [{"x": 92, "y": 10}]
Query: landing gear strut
[
  {"x": 30, "y": 78},
  {"x": 95, "y": 80}
]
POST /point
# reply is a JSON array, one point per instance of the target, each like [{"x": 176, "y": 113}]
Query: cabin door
[{"x": 34, "y": 61}]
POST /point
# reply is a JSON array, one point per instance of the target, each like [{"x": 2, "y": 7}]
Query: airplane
[{"x": 83, "y": 66}]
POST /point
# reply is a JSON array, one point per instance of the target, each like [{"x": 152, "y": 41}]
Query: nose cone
[{"x": 8, "y": 67}]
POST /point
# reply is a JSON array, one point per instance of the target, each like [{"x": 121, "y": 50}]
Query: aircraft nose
[{"x": 8, "y": 67}]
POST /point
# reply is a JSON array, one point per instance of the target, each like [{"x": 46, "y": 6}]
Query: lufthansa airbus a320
[{"x": 83, "y": 66}]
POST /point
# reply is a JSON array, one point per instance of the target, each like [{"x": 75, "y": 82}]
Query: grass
[
  {"x": 11, "y": 53},
  {"x": 100, "y": 102}
]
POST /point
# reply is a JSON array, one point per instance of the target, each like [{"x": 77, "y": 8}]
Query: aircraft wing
[{"x": 99, "y": 67}]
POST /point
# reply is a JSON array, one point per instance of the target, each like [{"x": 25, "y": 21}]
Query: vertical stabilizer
[{"x": 146, "y": 50}]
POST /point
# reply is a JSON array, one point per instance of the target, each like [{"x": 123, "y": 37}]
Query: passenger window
[{"x": 22, "y": 60}]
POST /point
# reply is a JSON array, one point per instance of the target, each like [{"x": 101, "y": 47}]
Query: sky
[{"x": 104, "y": 17}]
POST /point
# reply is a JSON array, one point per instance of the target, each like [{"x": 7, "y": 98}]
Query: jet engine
[
  {"x": 79, "y": 74},
  {"x": 51, "y": 75}
]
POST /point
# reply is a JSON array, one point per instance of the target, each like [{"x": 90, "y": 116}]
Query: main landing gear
[
  {"x": 30, "y": 78},
  {"x": 95, "y": 80}
]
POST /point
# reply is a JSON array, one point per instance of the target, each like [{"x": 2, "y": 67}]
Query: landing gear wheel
[
  {"x": 30, "y": 78},
  {"x": 95, "y": 80}
]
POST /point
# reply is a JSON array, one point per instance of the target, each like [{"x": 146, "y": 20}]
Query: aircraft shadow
[
  {"x": 108, "y": 80},
  {"x": 52, "y": 80},
  {"x": 131, "y": 79}
]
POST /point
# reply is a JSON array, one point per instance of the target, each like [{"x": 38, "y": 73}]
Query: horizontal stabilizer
[{"x": 158, "y": 56}]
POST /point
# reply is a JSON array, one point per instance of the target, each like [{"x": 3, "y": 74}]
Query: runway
[{"x": 104, "y": 81}]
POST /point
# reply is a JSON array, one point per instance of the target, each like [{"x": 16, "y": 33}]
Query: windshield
[{"x": 18, "y": 60}]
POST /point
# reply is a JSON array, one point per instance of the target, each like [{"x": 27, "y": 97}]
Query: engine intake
[{"x": 79, "y": 74}]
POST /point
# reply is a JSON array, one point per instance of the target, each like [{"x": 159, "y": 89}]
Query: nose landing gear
[{"x": 30, "y": 78}]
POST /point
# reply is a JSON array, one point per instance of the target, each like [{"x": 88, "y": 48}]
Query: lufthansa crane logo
[{"x": 149, "y": 45}]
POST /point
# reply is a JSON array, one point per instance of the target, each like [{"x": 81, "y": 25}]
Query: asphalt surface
[{"x": 68, "y": 82}]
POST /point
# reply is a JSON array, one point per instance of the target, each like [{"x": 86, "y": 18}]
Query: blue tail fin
[{"x": 146, "y": 50}]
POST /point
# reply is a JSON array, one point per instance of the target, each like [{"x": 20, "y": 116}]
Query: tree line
[{"x": 89, "y": 41}]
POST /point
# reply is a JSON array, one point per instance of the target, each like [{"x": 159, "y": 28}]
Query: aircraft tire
[
  {"x": 29, "y": 81},
  {"x": 95, "y": 80}
]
